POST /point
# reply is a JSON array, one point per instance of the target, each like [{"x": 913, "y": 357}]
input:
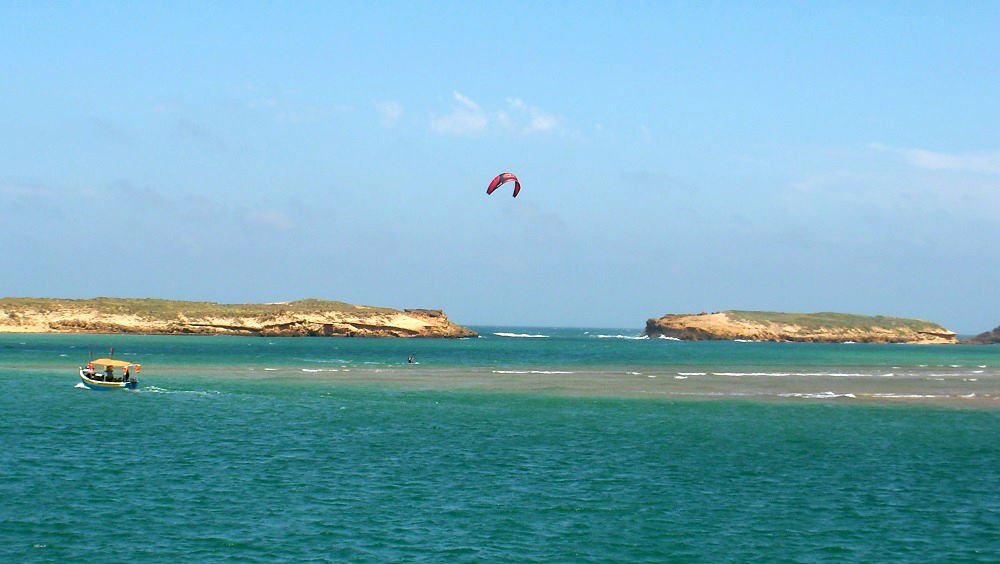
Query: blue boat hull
[{"x": 105, "y": 386}]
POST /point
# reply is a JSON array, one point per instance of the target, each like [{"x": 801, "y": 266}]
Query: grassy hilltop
[
  {"x": 155, "y": 316},
  {"x": 830, "y": 320},
  {"x": 169, "y": 309}
]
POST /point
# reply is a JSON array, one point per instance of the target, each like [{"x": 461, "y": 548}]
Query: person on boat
[
  {"x": 109, "y": 374},
  {"x": 125, "y": 374},
  {"x": 89, "y": 370}
]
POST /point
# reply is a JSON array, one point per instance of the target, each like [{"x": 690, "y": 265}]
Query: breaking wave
[
  {"x": 532, "y": 372},
  {"x": 820, "y": 395},
  {"x": 521, "y": 336},
  {"x": 626, "y": 337}
]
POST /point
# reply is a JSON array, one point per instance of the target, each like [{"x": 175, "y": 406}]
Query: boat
[{"x": 104, "y": 378}]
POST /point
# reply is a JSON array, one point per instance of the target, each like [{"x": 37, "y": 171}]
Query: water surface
[{"x": 558, "y": 448}]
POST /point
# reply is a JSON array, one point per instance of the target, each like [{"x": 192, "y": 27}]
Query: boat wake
[{"x": 158, "y": 390}]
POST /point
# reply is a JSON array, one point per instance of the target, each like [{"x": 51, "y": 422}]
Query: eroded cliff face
[
  {"x": 306, "y": 318},
  {"x": 810, "y": 328}
]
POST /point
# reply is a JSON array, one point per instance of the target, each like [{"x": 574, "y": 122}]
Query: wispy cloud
[
  {"x": 515, "y": 102},
  {"x": 308, "y": 113},
  {"x": 190, "y": 130},
  {"x": 185, "y": 220},
  {"x": 978, "y": 162},
  {"x": 465, "y": 101},
  {"x": 27, "y": 190},
  {"x": 270, "y": 218},
  {"x": 890, "y": 194},
  {"x": 467, "y": 117},
  {"x": 542, "y": 122},
  {"x": 110, "y": 130},
  {"x": 389, "y": 112},
  {"x": 537, "y": 120},
  {"x": 166, "y": 106},
  {"x": 539, "y": 224},
  {"x": 265, "y": 102}
]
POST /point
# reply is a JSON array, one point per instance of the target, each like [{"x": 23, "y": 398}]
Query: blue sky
[{"x": 674, "y": 156}]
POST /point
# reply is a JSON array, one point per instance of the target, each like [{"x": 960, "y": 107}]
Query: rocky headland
[
  {"x": 987, "y": 338},
  {"x": 169, "y": 317},
  {"x": 797, "y": 327}
]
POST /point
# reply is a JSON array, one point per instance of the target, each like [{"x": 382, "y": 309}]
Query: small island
[
  {"x": 985, "y": 338},
  {"x": 309, "y": 317},
  {"x": 797, "y": 327}
]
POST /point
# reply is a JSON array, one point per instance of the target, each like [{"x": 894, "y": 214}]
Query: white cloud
[
  {"x": 469, "y": 118},
  {"x": 980, "y": 162},
  {"x": 465, "y": 101},
  {"x": 542, "y": 122},
  {"x": 389, "y": 112},
  {"x": 538, "y": 121},
  {"x": 515, "y": 102},
  {"x": 504, "y": 120}
]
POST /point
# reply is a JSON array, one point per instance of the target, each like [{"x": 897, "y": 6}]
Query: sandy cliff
[
  {"x": 809, "y": 327},
  {"x": 299, "y": 318}
]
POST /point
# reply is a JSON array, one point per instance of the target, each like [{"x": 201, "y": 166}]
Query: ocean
[{"x": 525, "y": 445}]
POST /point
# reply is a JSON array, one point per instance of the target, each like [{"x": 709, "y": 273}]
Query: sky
[{"x": 675, "y": 157}]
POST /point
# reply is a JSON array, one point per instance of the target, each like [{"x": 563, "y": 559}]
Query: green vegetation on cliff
[
  {"x": 154, "y": 309},
  {"x": 831, "y": 320}
]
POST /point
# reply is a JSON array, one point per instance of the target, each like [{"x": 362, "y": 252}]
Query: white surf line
[
  {"x": 819, "y": 395},
  {"x": 532, "y": 372},
  {"x": 624, "y": 337},
  {"x": 521, "y": 336},
  {"x": 810, "y": 374}
]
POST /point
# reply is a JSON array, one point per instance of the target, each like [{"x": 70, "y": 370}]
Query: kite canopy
[{"x": 503, "y": 178}]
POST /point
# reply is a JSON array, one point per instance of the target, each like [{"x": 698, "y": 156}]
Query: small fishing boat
[{"x": 105, "y": 377}]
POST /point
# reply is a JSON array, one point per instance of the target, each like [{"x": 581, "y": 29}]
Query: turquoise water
[{"x": 566, "y": 448}]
